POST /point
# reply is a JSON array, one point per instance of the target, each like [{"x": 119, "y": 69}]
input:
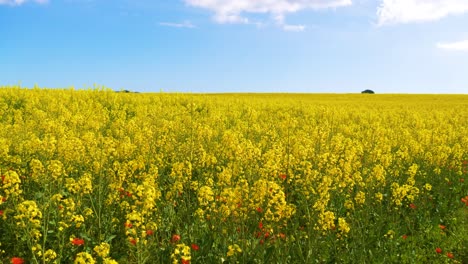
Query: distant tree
[
  {"x": 368, "y": 92},
  {"x": 122, "y": 91}
]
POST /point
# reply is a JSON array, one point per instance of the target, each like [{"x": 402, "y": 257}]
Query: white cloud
[
  {"x": 407, "y": 11},
  {"x": 185, "y": 24},
  {"x": 235, "y": 11},
  {"x": 294, "y": 28},
  {"x": 455, "y": 46},
  {"x": 280, "y": 22},
  {"x": 20, "y": 2}
]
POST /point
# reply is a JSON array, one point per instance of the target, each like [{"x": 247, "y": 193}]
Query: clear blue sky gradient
[{"x": 153, "y": 45}]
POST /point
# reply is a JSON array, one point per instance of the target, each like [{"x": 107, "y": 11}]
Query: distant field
[{"x": 105, "y": 177}]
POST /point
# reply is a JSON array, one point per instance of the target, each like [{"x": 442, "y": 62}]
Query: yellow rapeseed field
[{"x": 95, "y": 176}]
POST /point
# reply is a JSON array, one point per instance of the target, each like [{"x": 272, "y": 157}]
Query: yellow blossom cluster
[{"x": 154, "y": 178}]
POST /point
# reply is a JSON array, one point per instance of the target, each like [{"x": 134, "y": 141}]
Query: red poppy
[
  {"x": 259, "y": 209},
  {"x": 77, "y": 241},
  {"x": 175, "y": 238},
  {"x": 465, "y": 200},
  {"x": 16, "y": 260},
  {"x": 413, "y": 206},
  {"x": 404, "y": 237},
  {"x": 449, "y": 255},
  {"x": 185, "y": 261},
  {"x": 283, "y": 176},
  {"x": 282, "y": 235},
  {"x": 438, "y": 250},
  {"x": 260, "y": 225},
  {"x": 133, "y": 241},
  {"x": 195, "y": 247},
  {"x": 442, "y": 227},
  {"x": 1, "y": 213},
  {"x": 149, "y": 232}
]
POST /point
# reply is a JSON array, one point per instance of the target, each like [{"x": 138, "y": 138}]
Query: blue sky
[{"x": 316, "y": 46}]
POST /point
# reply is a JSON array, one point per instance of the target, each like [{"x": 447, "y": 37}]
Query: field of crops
[{"x": 105, "y": 177}]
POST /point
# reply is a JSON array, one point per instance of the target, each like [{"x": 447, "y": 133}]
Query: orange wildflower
[
  {"x": 78, "y": 241},
  {"x": 16, "y": 260},
  {"x": 195, "y": 247},
  {"x": 175, "y": 238},
  {"x": 465, "y": 200}
]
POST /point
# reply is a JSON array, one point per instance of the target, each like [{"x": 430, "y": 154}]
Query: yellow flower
[
  {"x": 428, "y": 187},
  {"x": 109, "y": 261},
  {"x": 360, "y": 197},
  {"x": 50, "y": 255},
  {"x": 84, "y": 258},
  {"x": 102, "y": 250},
  {"x": 378, "y": 197},
  {"x": 233, "y": 249},
  {"x": 343, "y": 226}
]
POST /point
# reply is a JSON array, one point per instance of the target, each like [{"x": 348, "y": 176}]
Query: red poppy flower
[
  {"x": 16, "y": 260},
  {"x": 1, "y": 213},
  {"x": 283, "y": 176},
  {"x": 149, "y": 232},
  {"x": 185, "y": 261},
  {"x": 465, "y": 200},
  {"x": 258, "y": 234},
  {"x": 282, "y": 235},
  {"x": 449, "y": 255},
  {"x": 133, "y": 241},
  {"x": 78, "y": 241},
  {"x": 442, "y": 227},
  {"x": 128, "y": 225},
  {"x": 438, "y": 250},
  {"x": 260, "y": 225},
  {"x": 404, "y": 237},
  {"x": 259, "y": 209},
  {"x": 413, "y": 206},
  {"x": 175, "y": 238},
  {"x": 195, "y": 247}
]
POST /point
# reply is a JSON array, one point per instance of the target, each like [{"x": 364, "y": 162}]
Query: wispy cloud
[
  {"x": 20, "y": 2},
  {"x": 237, "y": 11},
  {"x": 287, "y": 27},
  {"x": 185, "y": 24},
  {"x": 407, "y": 11},
  {"x": 454, "y": 46}
]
